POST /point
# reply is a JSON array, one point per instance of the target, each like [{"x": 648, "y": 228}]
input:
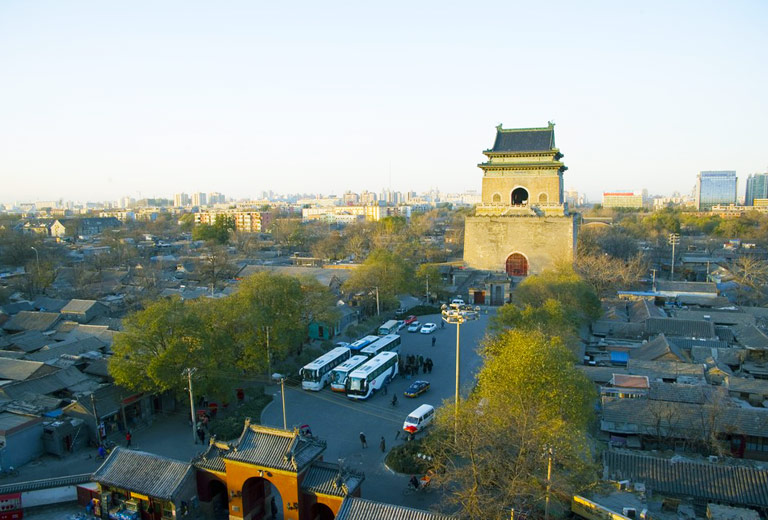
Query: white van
[{"x": 419, "y": 419}]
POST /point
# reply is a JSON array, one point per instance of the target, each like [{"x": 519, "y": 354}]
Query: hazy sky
[{"x": 104, "y": 99}]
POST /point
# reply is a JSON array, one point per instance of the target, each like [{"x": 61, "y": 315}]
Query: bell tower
[{"x": 522, "y": 225}]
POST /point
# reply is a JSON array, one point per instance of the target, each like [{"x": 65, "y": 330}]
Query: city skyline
[{"x": 103, "y": 101}]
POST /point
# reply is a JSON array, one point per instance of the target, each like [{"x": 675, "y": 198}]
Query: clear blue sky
[{"x": 104, "y": 99}]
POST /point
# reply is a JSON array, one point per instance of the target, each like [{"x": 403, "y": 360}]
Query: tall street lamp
[
  {"x": 37, "y": 259},
  {"x": 458, "y": 314},
  {"x": 674, "y": 239}
]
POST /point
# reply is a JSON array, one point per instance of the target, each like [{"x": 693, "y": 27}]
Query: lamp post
[
  {"x": 457, "y": 314},
  {"x": 37, "y": 259},
  {"x": 674, "y": 239}
]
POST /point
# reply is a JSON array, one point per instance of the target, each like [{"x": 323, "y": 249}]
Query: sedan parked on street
[
  {"x": 428, "y": 328},
  {"x": 416, "y": 389}
]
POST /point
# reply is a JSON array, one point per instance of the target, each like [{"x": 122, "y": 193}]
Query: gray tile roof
[
  {"x": 78, "y": 306},
  {"x": 752, "y": 338},
  {"x": 681, "y": 420},
  {"x": 717, "y": 317},
  {"x": 727, "y": 482},
  {"x": 752, "y": 386},
  {"x": 144, "y": 473},
  {"x": 19, "y": 369},
  {"x": 32, "y": 320},
  {"x": 14, "y": 308},
  {"x": 664, "y": 369},
  {"x": 29, "y": 341},
  {"x": 354, "y": 508},
  {"x": 275, "y": 448},
  {"x": 43, "y": 303},
  {"x": 72, "y": 347},
  {"x": 47, "y": 384},
  {"x": 689, "y": 343},
  {"x": 676, "y": 392},
  {"x": 213, "y": 457},
  {"x": 678, "y": 327},
  {"x": 729, "y": 356},
  {"x": 324, "y": 478},
  {"x": 656, "y": 348},
  {"x": 686, "y": 287},
  {"x": 524, "y": 140}
]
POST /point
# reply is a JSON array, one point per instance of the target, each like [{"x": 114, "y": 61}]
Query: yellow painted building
[
  {"x": 245, "y": 221},
  {"x": 522, "y": 225}
]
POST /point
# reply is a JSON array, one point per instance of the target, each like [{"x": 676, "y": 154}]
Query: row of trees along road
[
  {"x": 529, "y": 398},
  {"x": 228, "y": 340}
]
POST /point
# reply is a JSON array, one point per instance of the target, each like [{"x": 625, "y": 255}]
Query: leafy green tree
[
  {"x": 217, "y": 232},
  {"x": 529, "y": 399},
  {"x": 391, "y": 273},
  {"x": 158, "y": 343},
  {"x": 579, "y": 300},
  {"x": 430, "y": 273}
]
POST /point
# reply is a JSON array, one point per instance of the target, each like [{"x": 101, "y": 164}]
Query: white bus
[
  {"x": 390, "y": 327},
  {"x": 362, "y": 342},
  {"x": 388, "y": 343},
  {"x": 316, "y": 375},
  {"x": 340, "y": 373},
  {"x": 371, "y": 376}
]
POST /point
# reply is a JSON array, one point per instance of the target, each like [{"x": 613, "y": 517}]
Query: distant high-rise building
[
  {"x": 216, "y": 198},
  {"x": 350, "y": 198},
  {"x": 368, "y": 197},
  {"x": 180, "y": 200},
  {"x": 715, "y": 187},
  {"x": 757, "y": 188},
  {"x": 199, "y": 199}
]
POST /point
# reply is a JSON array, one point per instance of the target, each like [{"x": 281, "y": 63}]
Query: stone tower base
[{"x": 544, "y": 241}]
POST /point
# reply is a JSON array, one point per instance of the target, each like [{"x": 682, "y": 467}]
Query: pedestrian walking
[
  {"x": 430, "y": 365},
  {"x": 362, "y": 440},
  {"x": 383, "y": 445},
  {"x": 424, "y": 367},
  {"x": 421, "y": 363},
  {"x": 201, "y": 434},
  {"x": 397, "y": 434},
  {"x": 128, "y": 439},
  {"x": 434, "y": 340}
]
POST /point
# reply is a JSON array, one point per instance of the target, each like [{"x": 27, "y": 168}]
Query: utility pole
[
  {"x": 549, "y": 482},
  {"x": 456, "y": 402},
  {"x": 191, "y": 371},
  {"x": 282, "y": 393},
  {"x": 269, "y": 356},
  {"x": 378, "y": 310},
  {"x": 674, "y": 239},
  {"x": 653, "y": 286},
  {"x": 96, "y": 416},
  {"x": 427, "y": 289}
]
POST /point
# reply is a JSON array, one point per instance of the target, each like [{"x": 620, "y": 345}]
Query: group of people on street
[
  {"x": 364, "y": 442},
  {"x": 411, "y": 365}
]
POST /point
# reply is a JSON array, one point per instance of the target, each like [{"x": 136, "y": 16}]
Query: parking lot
[{"x": 339, "y": 420}]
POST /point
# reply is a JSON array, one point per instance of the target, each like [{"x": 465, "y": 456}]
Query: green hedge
[
  {"x": 423, "y": 310},
  {"x": 229, "y": 425},
  {"x": 404, "y": 458}
]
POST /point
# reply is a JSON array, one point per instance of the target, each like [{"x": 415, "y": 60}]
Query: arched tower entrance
[
  {"x": 519, "y": 197},
  {"x": 517, "y": 265}
]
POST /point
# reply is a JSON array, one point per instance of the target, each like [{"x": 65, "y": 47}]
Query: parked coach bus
[
  {"x": 390, "y": 327},
  {"x": 388, "y": 343},
  {"x": 317, "y": 374},
  {"x": 361, "y": 343},
  {"x": 370, "y": 377},
  {"x": 340, "y": 373}
]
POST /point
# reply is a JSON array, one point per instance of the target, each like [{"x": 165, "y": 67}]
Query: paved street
[
  {"x": 339, "y": 420},
  {"x": 332, "y": 416}
]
